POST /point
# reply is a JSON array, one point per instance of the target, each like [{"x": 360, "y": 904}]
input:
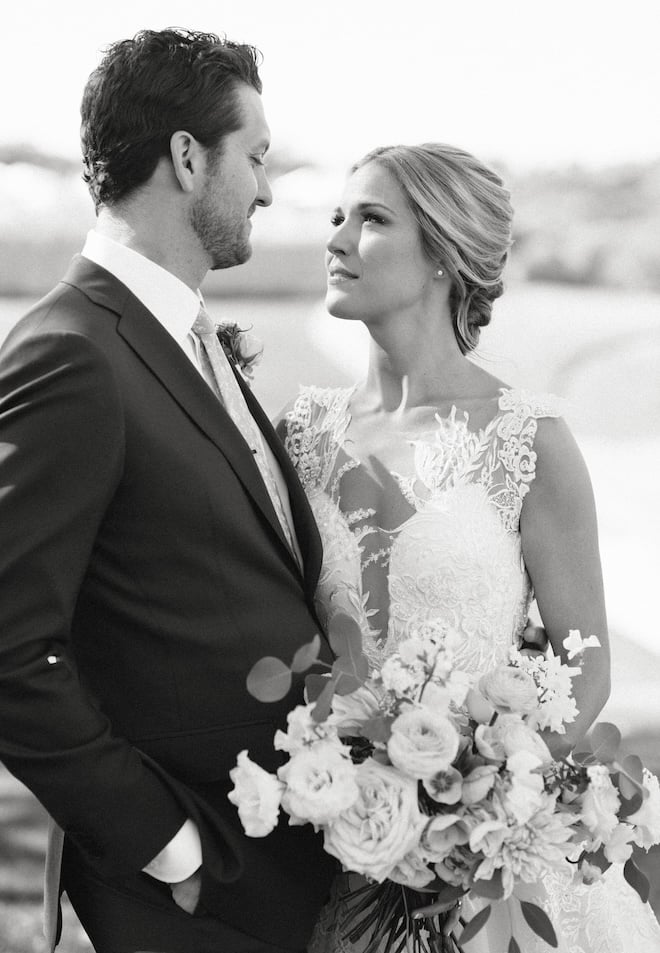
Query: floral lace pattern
[{"x": 454, "y": 555}]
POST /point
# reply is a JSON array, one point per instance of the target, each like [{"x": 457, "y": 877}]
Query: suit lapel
[
  {"x": 303, "y": 518},
  {"x": 164, "y": 358}
]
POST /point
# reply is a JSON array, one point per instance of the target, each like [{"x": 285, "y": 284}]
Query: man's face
[{"x": 235, "y": 184}]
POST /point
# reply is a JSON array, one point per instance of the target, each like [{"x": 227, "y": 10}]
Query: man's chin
[{"x": 239, "y": 257}]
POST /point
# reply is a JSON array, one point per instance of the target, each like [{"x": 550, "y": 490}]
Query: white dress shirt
[{"x": 175, "y": 306}]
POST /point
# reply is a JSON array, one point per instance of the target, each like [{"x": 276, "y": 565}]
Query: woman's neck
[{"x": 406, "y": 371}]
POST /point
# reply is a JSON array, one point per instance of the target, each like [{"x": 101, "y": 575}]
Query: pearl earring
[{"x": 439, "y": 272}]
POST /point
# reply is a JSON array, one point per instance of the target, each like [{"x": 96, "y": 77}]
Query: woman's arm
[{"x": 560, "y": 549}]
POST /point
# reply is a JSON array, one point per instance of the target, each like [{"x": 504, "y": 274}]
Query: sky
[{"x": 527, "y": 83}]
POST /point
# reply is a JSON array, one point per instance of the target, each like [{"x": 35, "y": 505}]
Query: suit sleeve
[{"x": 61, "y": 458}]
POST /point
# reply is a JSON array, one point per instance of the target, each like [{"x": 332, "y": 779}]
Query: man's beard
[{"x": 226, "y": 240}]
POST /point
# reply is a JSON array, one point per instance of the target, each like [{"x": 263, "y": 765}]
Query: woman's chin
[{"x": 339, "y": 307}]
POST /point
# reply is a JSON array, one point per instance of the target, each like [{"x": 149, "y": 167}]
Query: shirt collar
[{"x": 172, "y": 302}]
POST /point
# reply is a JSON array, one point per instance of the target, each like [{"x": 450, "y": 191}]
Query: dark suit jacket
[{"x": 143, "y": 573}]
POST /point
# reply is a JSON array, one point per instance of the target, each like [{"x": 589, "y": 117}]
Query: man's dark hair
[{"x": 147, "y": 88}]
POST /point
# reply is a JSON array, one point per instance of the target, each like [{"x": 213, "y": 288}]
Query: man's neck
[{"x": 150, "y": 239}]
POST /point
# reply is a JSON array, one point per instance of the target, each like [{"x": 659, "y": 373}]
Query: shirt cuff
[{"x": 179, "y": 859}]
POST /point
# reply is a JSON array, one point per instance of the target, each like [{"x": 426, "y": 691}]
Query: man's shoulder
[{"x": 84, "y": 301}]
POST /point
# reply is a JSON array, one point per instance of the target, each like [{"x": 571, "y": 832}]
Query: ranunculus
[
  {"x": 508, "y": 735},
  {"x": 445, "y": 786},
  {"x": 509, "y": 689},
  {"x": 443, "y": 833},
  {"x": 478, "y": 783},
  {"x": 422, "y": 743},
  {"x": 413, "y": 871},
  {"x": 647, "y": 818},
  {"x": 383, "y": 825},
  {"x": 478, "y": 708},
  {"x": 257, "y": 795},
  {"x": 600, "y": 804},
  {"x": 320, "y": 784}
]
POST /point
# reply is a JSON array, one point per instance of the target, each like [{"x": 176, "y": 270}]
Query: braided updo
[{"x": 464, "y": 214}]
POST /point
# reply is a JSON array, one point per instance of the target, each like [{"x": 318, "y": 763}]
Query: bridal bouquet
[{"x": 435, "y": 786}]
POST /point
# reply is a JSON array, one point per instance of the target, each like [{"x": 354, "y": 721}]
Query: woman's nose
[{"x": 339, "y": 241}]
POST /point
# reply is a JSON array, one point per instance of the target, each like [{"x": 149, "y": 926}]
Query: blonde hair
[{"x": 464, "y": 214}]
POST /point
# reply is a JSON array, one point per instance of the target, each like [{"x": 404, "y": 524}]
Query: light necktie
[{"x": 229, "y": 393}]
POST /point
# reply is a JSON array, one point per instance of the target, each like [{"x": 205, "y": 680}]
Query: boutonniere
[{"x": 241, "y": 347}]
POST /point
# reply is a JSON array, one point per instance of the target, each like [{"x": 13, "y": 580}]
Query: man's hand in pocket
[{"x": 186, "y": 893}]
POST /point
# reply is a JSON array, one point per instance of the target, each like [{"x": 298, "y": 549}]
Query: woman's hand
[{"x": 453, "y": 907}]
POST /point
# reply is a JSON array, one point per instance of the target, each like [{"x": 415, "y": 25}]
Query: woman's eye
[
  {"x": 372, "y": 217},
  {"x": 258, "y": 160},
  {"x": 336, "y": 219}
]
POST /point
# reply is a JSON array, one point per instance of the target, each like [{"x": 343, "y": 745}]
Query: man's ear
[{"x": 188, "y": 159}]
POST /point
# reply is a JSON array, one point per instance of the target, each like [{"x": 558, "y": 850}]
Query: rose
[
  {"x": 508, "y": 735},
  {"x": 647, "y": 819},
  {"x": 600, "y": 804},
  {"x": 241, "y": 347},
  {"x": 422, "y": 743},
  {"x": 320, "y": 784},
  {"x": 376, "y": 832},
  {"x": 257, "y": 795},
  {"x": 509, "y": 689}
]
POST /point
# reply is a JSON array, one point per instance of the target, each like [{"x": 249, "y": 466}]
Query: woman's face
[{"x": 375, "y": 261}]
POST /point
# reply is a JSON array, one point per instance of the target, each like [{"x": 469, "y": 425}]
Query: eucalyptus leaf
[
  {"x": 447, "y": 893},
  {"x": 513, "y": 945},
  {"x": 323, "y": 705},
  {"x": 354, "y": 668},
  {"x": 539, "y": 922},
  {"x": 473, "y": 926},
  {"x": 269, "y": 679},
  {"x": 345, "y": 635},
  {"x": 307, "y": 655},
  {"x": 492, "y": 889},
  {"x": 605, "y": 741},
  {"x": 630, "y": 805},
  {"x": 637, "y": 880},
  {"x": 314, "y": 685}
]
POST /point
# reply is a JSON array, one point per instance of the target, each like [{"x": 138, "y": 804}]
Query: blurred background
[{"x": 562, "y": 99}]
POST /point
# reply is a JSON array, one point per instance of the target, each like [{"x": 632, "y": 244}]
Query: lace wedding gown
[{"x": 450, "y": 550}]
